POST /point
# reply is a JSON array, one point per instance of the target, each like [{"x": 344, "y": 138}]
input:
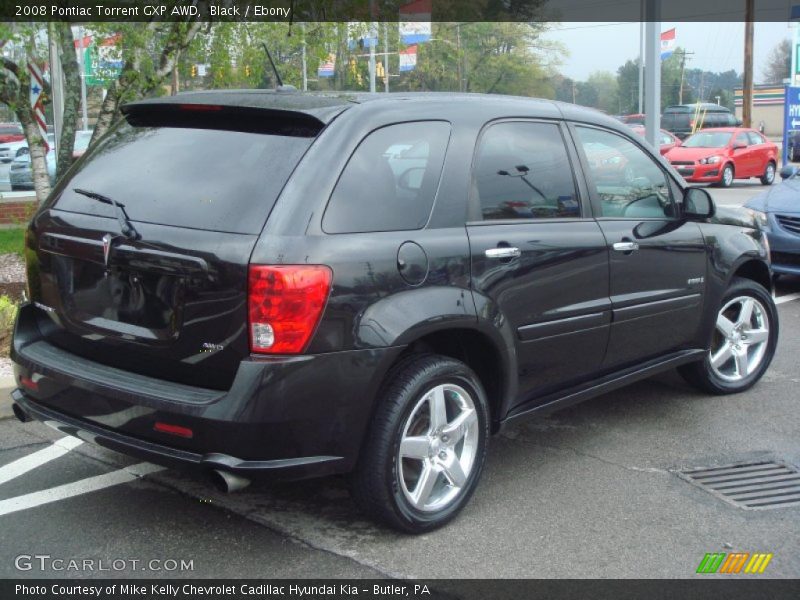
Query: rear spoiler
[{"x": 230, "y": 118}]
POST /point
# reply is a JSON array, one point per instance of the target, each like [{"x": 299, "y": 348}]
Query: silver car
[{"x": 20, "y": 174}]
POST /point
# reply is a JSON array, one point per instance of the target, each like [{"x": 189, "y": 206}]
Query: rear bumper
[{"x": 284, "y": 417}]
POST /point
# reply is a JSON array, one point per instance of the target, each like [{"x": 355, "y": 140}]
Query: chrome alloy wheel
[
  {"x": 770, "y": 174},
  {"x": 438, "y": 448},
  {"x": 740, "y": 339},
  {"x": 727, "y": 176}
]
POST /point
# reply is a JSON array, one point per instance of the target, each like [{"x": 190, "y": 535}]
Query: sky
[{"x": 717, "y": 46}]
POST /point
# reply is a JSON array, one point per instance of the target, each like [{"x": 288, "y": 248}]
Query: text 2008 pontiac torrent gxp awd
[{"x": 267, "y": 283}]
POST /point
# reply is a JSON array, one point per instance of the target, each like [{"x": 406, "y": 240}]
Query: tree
[
  {"x": 628, "y": 87},
  {"x": 23, "y": 44},
  {"x": 149, "y": 54},
  {"x": 779, "y": 63},
  {"x": 606, "y": 90}
]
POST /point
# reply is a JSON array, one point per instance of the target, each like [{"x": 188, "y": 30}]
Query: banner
[
  {"x": 667, "y": 43},
  {"x": 415, "y": 22}
]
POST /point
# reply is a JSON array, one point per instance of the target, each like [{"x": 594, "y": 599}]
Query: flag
[
  {"x": 36, "y": 89},
  {"x": 667, "y": 43},
  {"x": 326, "y": 68},
  {"x": 408, "y": 59},
  {"x": 415, "y": 22}
]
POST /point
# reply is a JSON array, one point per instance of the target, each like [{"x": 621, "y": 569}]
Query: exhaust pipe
[
  {"x": 228, "y": 482},
  {"x": 20, "y": 414}
]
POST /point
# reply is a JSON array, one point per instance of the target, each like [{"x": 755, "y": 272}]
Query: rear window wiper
[{"x": 125, "y": 225}]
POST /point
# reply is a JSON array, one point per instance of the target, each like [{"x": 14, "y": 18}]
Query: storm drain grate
[{"x": 762, "y": 484}]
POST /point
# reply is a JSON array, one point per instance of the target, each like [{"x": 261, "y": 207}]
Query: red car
[
  {"x": 10, "y": 132},
  {"x": 666, "y": 140},
  {"x": 721, "y": 155}
]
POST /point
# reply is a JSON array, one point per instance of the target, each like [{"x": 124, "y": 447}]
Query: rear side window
[
  {"x": 522, "y": 171},
  {"x": 208, "y": 179},
  {"x": 755, "y": 138},
  {"x": 390, "y": 181}
]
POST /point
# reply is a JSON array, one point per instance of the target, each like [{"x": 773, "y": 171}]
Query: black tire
[
  {"x": 701, "y": 374},
  {"x": 376, "y": 482},
  {"x": 726, "y": 181},
  {"x": 769, "y": 174}
]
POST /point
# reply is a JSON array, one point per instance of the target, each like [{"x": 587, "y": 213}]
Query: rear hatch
[
  {"x": 139, "y": 259},
  {"x": 677, "y": 121}
]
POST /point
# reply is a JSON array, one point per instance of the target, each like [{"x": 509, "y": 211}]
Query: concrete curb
[{"x": 7, "y": 385}]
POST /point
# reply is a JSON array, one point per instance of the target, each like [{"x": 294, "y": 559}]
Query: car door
[
  {"x": 539, "y": 263},
  {"x": 657, "y": 260},
  {"x": 760, "y": 150},
  {"x": 745, "y": 159}
]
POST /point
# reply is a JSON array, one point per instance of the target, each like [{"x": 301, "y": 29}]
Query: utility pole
[
  {"x": 84, "y": 108},
  {"x": 641, "y": 59},
  {"x": 303, "y": 56},
  {"x": 652, "y": 90},
  {"x": 683, "y": 67},
  {"x": 56, "y": 84},
  {"x": 385, "y": 57},
  {"x": 747, "y": 83},
  {"x": 373, "y": 39}
]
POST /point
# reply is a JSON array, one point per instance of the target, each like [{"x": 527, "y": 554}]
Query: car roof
[{"x": 324, "y": 107}]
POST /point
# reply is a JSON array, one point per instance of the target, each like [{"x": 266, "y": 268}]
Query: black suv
[
  {"x": 266, "y": 283},
  {"x": 682, "y": 120}
]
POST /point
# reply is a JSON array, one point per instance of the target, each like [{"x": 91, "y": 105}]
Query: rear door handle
[
  {"x": 503, "y": 252},
  {"x": 625, "y": 246}
]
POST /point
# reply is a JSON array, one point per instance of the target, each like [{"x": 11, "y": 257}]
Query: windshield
[{"x": 708, "y": 139}]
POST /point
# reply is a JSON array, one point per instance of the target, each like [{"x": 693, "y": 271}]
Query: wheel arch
[{"x": 755, "y": 270}]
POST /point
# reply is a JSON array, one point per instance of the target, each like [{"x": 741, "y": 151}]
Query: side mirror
[
  {"x": 698, "y": 204},
  {"x": 789, "y": 171}
]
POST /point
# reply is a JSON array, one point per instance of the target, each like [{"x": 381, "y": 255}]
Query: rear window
[{"x": 209, "y": 179}]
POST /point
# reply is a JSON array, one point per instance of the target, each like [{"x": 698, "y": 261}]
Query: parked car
[
  {"x": 719, "y": 156},
  {"x": 778, "y": 213},
  {"x": 666, "y": 140},
  {"x": 683, "y": 120},
  {"x": 12, "y": 150},
  {"x": 10, "y": 132},
  {"x": 633, "y": 119},
  {"x": 233, "y": 282},
  {"x": 20, "y": 174}
]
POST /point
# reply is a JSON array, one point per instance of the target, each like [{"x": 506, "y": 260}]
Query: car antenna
[{"x": 281, "y": 87}]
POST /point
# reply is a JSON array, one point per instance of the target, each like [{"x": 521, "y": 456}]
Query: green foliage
[
  {"x": 8, "y": 313},
  {"x": 12, "y": 241}
]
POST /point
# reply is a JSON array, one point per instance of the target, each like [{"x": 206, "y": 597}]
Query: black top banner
[
  {"x": 394, "y": 589},
  {"x": 77, "y": 11}
]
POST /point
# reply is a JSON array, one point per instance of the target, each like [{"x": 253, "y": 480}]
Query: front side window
[
  {"x": 626, "y": 180},
  {"x": 741, "y": 140},
  {"x": 522, "y": 171},
  {"x": 390, "y": 181}
]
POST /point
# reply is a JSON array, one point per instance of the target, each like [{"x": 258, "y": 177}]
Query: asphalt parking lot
[{"x": 592, "y": 491}]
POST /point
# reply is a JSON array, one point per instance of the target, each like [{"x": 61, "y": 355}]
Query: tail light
[
  {"x": 691, "y": 123},
  {"x": 285, "y": 303}
]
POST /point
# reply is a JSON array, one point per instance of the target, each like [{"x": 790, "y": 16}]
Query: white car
[{"x": 11, "y": 150}]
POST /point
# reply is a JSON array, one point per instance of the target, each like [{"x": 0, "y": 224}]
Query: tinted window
[
  {"x": 627, "y": 181},
  {"x": 522, "y": 172},
  {"x": 755, "y": 138},
  {"x": 390, "y": 181},
  {"x": 202, "y": 178}
]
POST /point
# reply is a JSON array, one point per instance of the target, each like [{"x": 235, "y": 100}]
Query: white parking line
[
  {"x": 84, "y": 486},
  {"x": 787, "y": 298},
  {"x": 27, "y": 463}
]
